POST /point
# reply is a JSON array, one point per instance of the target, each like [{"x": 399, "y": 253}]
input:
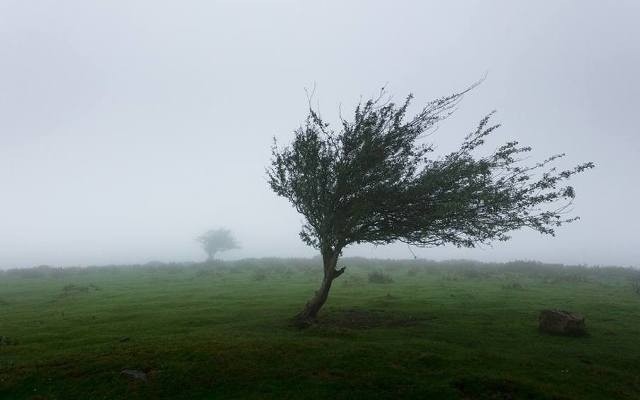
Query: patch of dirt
[{"x": 364, "y": 319}]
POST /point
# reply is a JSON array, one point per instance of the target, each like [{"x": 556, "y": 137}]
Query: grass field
[{"x": 450, "y": 330}]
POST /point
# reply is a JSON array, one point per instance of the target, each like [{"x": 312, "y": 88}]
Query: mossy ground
[{"x": 455, "y": 330}]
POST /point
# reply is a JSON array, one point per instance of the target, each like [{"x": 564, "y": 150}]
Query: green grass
[{"x": 453, "y": 330}]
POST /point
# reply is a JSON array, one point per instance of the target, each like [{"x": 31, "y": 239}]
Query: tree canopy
[
  {"x": 217, "y": 240},
  {"x": 376, "y": 179}
]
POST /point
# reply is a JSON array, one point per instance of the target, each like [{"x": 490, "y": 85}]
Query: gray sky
[{"x": 129, "y": 127}]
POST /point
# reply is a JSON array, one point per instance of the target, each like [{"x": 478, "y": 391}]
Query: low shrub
[
  {"x": 635, "y": 284},
  {"x": 260, "y": 275},
  {"x": 379, "y": 277}
]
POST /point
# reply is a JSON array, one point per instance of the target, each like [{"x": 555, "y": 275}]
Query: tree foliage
[
  {"x": 376, "y": 179},
  {"x": 217, "y": 240}
]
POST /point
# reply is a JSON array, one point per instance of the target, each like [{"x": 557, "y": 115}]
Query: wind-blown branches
[{"x": 375, "y": 181}]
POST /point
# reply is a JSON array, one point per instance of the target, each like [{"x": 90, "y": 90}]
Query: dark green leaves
[{"x": 373, "y": 181}]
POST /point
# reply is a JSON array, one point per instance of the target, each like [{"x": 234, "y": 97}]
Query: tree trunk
[{"x": 308, "y": 315}]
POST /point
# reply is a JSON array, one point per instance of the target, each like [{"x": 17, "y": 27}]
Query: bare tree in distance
[
  {"x": 375, "y": 180},
  {"x": 217, "y": 240}
]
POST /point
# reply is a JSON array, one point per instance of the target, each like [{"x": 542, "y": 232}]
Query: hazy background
[{"x": 129, "y": 127}]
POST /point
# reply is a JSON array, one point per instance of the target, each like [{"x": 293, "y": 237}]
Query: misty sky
[{"x": 127, "y": 128}]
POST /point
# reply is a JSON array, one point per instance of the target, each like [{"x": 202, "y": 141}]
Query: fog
[{"x": 128, "y": 128}]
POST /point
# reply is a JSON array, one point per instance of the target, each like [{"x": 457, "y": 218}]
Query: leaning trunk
[{"x": 308, "y": 315}]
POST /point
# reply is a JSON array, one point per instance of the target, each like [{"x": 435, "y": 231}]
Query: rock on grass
[{"x": 559, "y": 322}]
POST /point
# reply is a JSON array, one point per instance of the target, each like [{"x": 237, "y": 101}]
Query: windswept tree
[
  {"x": 217, "y": 240},
  {"x": 375, "y": 180}
]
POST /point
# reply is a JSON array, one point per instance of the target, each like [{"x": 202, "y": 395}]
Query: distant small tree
[
  {"x": 635, "y": 284},
  {"x": 217, "y": 240},
  {"x": 374, "y": 181}
]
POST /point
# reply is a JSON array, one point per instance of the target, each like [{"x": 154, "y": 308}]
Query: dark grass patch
[
  {"x": 513, "y": 286},
  {"x": 353, "y": 281},
  {"x": 430, "y": 360},
  {"x": 74, "y": 290},
  {"x": 208, "y": 272},
  {"x": 575, "y": 277},
  {"x": 486, "y": 388},
  {"x": 389, "y": 296},
  {"x": 474, "y": 274},
  {"x": 367, "y": 319},
  {"x": 259, "y": 275}
]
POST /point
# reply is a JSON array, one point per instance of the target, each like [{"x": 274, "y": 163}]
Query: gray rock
[
  {"x": 559, "y": 322},
  {"x": 134, "y": 374},
  {"x": 6, "y": 341}
]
